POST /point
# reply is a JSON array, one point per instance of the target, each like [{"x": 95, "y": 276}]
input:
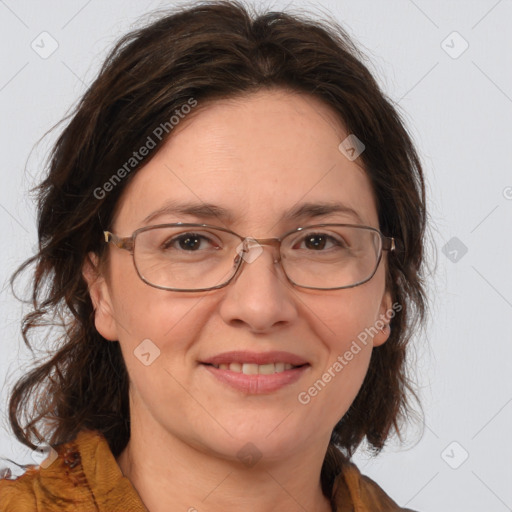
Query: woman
[{"x": 232, "y": 231}]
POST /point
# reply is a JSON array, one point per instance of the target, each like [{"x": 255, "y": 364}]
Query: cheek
[
  {"x": 159, "y": 353},
  {"x": 158, "y": 331},
  {"x": 336, "y": 381},
  {"x": 142, "y": 311},
  {"x": 344, "y": 324},
  {"x": 344, "y": 317},
  {"x": 172, "y": 324},
  {"x": 156, "y": 347}
]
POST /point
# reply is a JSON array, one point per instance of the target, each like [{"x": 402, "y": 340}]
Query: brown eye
[
  {"x": 189, "y": 242},
  {"x": 319, "y": 241}
]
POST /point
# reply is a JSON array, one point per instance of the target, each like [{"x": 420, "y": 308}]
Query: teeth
[
  {"x": 250, "y": 369},
  {"x": 267, "y": 369},
  {"x": 255, "y": 369},
  {"x": 234, "y": 367}
]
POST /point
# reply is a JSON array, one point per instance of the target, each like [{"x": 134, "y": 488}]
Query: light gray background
[{"x": 459, "y": 110}]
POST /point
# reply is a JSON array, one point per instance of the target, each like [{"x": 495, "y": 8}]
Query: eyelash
[{"x": 184, "y": 236}]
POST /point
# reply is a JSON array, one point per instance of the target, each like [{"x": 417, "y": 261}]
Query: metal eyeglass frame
[{"x": 128, "y": 244}]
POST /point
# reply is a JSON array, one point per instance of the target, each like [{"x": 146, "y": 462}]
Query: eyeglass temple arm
[
  {"x": 391, "y": 244},
  {"x": 122, "y": 243}
]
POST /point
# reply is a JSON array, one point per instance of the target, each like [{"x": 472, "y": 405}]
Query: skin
[{"x": 258, "y": 156}]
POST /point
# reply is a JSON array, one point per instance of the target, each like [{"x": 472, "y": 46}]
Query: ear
[
  {"x": 385, "y": 314},
  {"x": 100, "y": 297}
]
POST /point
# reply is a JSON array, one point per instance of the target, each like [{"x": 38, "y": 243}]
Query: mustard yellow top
[{"x": 85, "y": 477}]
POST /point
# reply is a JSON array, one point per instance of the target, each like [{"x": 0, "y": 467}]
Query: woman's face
[{"x": 256, "y": 157}]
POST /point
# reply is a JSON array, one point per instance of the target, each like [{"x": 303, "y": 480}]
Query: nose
[{"x": 259, "y": 296}]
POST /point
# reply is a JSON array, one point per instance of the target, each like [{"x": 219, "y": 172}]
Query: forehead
[{"x": 257, "y": 156}]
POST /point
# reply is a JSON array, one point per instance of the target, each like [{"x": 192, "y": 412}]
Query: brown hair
[{"x": 205, "y": 52}]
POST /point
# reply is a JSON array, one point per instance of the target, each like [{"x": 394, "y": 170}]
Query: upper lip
[{"x": 241, "y": 356}]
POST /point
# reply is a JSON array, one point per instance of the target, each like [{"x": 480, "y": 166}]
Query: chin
[{"x": 268, "y": 440}]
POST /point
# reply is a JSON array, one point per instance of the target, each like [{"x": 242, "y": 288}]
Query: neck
[{"x": 177, "y": 476}]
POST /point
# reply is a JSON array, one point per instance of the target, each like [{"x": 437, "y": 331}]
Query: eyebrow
[{"x": 211, "y": 211}]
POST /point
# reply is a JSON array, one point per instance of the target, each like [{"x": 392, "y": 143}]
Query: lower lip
[{"x": 257, "y": 384}]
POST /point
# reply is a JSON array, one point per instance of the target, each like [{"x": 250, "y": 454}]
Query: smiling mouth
[{"x": 256, "y": 369}]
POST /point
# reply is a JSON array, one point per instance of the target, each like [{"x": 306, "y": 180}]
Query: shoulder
[
  {"x": 40, "y": 487},
  {"x": 78, "y": 475},
  {"x": 18, "y": 494},
  {"x": 361, "y": 492}
]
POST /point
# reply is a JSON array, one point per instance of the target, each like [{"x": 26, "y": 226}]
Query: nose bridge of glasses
[
  {"x": 254, "y": 246},
  {"x": 275, "y": 242}
]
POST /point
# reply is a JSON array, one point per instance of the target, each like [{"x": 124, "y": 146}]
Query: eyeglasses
[{"x": 189, "y": 257}]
